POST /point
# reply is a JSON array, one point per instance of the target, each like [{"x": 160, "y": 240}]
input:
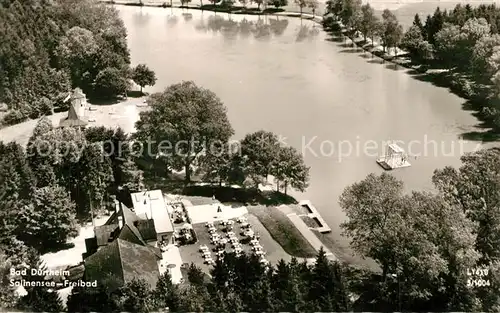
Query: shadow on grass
[
  {"x": 335, "y": 39},
  {"x": 353, "y": 50},
  {"x": 376, "y": 61},
  {"x": 225, "y": 194},
  {"x": 136, "y": 94},
  {"x": 222, "y": 8},
  {"x": 239, "y": 195},
  {"x": 345, "y": 44},
  {"x": 97, "y": 101},
  {"x": 273, "y": 10}
]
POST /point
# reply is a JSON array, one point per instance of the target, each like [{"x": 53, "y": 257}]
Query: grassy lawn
[
  {"x": 283, "y": 231},
  {"x": 309, "y": 221}
]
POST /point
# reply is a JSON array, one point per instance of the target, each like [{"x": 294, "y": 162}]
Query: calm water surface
[{"x": 282, "y": 75}]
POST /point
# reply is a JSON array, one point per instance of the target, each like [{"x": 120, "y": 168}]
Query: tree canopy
[
  {"x": 184, "y": 120},
  {"x": 50, "y": 46}
]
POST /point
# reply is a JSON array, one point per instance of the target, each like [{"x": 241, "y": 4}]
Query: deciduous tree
[
  {"x": 289, "y": 169},
  {"x": 368, "y": 20},
  {"x": 143, "y": 76},
  {"x": 279, "y": 3},
  {"x": 301, "y": 4},
  {"x": 184, "y": 119},
  {"x": 392, "y": 31},
  {"x": 313, "y": 5},
  {"x": 111, "y": 82},
  {"x": 49, "y": 220},
  {"x": 259, "y": 150}
]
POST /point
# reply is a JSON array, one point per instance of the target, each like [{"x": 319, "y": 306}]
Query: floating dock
[{"x": 395, "y": 157}]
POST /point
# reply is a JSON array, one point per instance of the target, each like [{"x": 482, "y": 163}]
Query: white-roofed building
[{"x": 152, "y": 204}]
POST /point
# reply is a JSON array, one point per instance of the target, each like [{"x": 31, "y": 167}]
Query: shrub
[{"x": 14, "y": 117}]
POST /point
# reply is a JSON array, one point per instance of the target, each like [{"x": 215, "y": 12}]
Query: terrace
[{"x": 192, "y": 254}]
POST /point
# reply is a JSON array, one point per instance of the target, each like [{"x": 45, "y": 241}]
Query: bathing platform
[{"x": 394, "y": 158}]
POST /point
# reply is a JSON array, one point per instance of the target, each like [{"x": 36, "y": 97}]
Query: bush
[
  {"x": 14, "y": 117},
  {"x": 462, "y": 87}
]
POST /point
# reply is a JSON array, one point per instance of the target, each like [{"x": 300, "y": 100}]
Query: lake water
[{"x": 282, "y": 75}]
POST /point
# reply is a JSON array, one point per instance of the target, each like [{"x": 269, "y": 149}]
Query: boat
[{"x": 395, "y": 157}]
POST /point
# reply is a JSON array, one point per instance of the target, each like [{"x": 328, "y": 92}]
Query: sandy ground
[{"x": 123, "y": 114}]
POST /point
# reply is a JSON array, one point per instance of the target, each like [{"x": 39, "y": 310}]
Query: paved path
[{"x": 309, "y": 235}]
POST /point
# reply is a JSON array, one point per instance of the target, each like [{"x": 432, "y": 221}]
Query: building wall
[{"x": 80, "y": 105}]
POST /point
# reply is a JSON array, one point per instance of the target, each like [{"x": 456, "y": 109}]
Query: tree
[
  {"x": 183, "y": 120},
  {"x": 49, "y": 220},
  {"x": 448, "y": 46},
  {"x": 43, "y": 126},
  {"x": 434, "y": 24},
  {"x": 313, "y": 5},
  {"x": 326, "y": 291},
  {"x": 259, "y": 3},
  {"x": 483, "y": 63},
  {"x": 412, "y": 42},
  {"x": 166, "y": 294},
  {"x": 76, "y": 52},
  {"x": 472, "y": 31},
  {"x": 94, "y": 174},
  {"x": 110, "y": 82},
  {"x": 39, "y": 298},
  {"x": 143, "y": 76},
  {"x": 259, "y": 150},
  {"x": 351, "y": 14},
  {"x": 91, "y": 299},
  {"x": 17, "y": 181},
  {"x": 55, "y": 156},
  {"x": 132, "y": 177},
  {"x": 367, "y": 204},
  {"x": 289, "y": 169},
  {"x": 301, "y": 4},
  {"x": 285, "y": 284},
  {"x": 334, "y": 6},
  {"x": 473, "y": 188},
  {"x": 8, "y": 297},
  {"x": 368, "y": 20},
  {"x": 195, "y": 275},
  {"x": 222, "y": 163},
  {"x": 382, "y": 226},
  {"x": 279, "y": 3}
]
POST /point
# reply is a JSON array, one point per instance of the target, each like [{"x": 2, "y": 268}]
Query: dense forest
[
  {"x": 425, "y": 244},
  {"x": 48, "y": 47}
]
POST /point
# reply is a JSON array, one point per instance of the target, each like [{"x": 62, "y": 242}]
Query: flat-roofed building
[{"x": 152, "y": 205}]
